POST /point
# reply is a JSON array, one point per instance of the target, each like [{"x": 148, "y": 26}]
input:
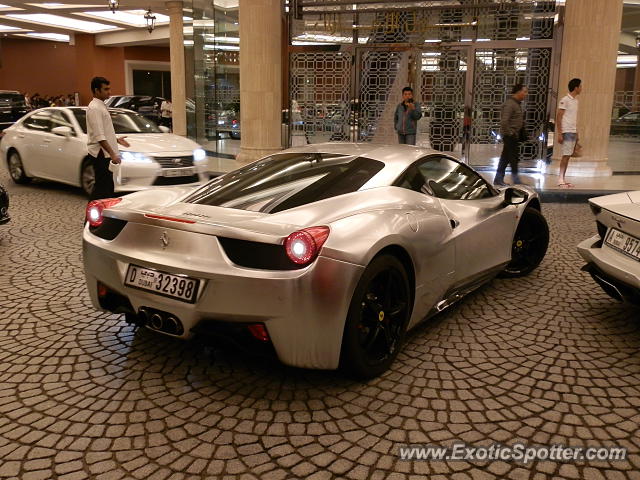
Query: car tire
[
  {"x": 377, "y": 319},
  {"x": 16, "y": 168},
  {"x": 235, "y": 135},
  {"x": 87, "y": 177},
  {"x": 530, "y": 244}
]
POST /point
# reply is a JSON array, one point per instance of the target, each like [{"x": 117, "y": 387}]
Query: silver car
[
  {"x": 613, "y": 254},
  {"x": 323, "y": 255}
]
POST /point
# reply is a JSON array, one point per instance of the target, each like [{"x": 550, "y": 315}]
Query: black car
[
  {"x": 627, "y": 124},
  {"x": 4, "y": 206},
  {"x": 12, "y": 107}
]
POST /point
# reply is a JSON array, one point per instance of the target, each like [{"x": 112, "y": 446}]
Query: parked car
[
  {"x": 4, "y": 206},
  {"x": 51, "y": 143},
  {"x": 628, "y": 124},
  {"x": 613, "y": 254},
  {"x": 13, "y": 106},
  {"x": 339, "y": 247},
  {"x": 145, "y": 105}
]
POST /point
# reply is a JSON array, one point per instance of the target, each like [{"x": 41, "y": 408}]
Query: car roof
[
  {"x": 401, "y": 155},
  {"x": 10, "y": 91}
]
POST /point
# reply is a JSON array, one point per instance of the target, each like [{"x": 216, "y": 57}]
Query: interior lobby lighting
[
  {"x": 57, "y": 37},
  {"x": 64, "y": 22},
  {"x": 151, "y": 20},
  {"x": 113, "y": 5},
  {"x": 134, "y": 18},
  {"x": 7, "y": 28}
]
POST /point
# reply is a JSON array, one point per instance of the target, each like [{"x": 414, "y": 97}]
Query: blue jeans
[{"x": 406, "y": 138}]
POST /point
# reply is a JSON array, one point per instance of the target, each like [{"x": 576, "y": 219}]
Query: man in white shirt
[
  {"x": 102, "y": 142},
  {"x": 166, "y": 113},
  {"x": 567, "y": 127}
]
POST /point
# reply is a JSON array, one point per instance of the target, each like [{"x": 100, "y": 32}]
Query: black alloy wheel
[
  {"x": 530, "y": 244},
  {"x": 16, "y": 168},
  {"x": 377, "y": 318}
]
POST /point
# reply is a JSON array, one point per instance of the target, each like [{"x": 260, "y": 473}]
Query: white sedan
[
  {"x": 51, "y": 143},
  {"x": 613, "y": 255}
]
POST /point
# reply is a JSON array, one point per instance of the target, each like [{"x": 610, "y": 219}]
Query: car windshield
[
  {"x": 288, "y": 180},
  {"x": 123, "y": 122}
]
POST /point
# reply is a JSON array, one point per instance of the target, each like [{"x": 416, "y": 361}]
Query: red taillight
[
  {"x": 259, "y": 332},
  {"x": 303, "y": 246},
  {"x": 103, "y": 291},
  {"x": 95, "y": 209}
]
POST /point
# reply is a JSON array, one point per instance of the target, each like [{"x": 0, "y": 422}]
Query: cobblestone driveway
[{"x": 546, "y": 359}]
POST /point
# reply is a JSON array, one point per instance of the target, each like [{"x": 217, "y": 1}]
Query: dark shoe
[
  {"x": 517, "y": 180},
  {"x": 500, "y": 183}
]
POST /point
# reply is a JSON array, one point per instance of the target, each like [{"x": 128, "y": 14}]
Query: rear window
[
  {"x": 12, "y": 99},
  {"x": 289, "y": 180}
]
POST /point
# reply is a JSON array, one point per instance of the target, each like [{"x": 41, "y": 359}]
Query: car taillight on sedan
[
  {"x": 303, "y": 246},
  {"x": 95, "y": 209}
]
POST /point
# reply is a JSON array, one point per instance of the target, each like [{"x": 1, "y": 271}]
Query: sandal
[{"x": 566, "y": 185}]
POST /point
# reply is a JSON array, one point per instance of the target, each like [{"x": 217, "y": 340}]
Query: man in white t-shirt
[
  {"x": 567, "y": 127},
  {"x": 101, "y": 139}
]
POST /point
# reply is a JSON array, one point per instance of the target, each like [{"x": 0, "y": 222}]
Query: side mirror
[
  {"x": 62, "y": 130},
  {"x": 164, "y": 129},
  {"x": 513, "y": 196}
]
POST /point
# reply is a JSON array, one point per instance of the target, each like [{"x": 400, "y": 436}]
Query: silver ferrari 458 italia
[{"x": 324, "y": 255}]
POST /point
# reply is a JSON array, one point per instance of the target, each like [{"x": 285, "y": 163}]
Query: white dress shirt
[{"x": 100, "y": 127}]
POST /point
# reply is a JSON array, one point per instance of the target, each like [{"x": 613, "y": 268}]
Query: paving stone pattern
[{"x": 543, "y": 360}]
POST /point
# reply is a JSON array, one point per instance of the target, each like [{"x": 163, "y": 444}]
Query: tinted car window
[
  {"x": 445, "y": 178},
  {"x": 59, "y": 119},
  {"x": 39, "y": 121},
  {"x": 12, "y": 100},
  {"x": 285, "y": 181},
  {"x": 123, "y": 122}
]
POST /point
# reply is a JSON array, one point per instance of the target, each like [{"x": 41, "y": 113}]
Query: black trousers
[
  {"x": 509, "y": 156},
  {"x": 103, "y": 186}
]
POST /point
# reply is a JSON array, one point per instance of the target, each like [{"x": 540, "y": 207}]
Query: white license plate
[
  {"x": 179, "y": 287},
  {"x": 624, "y": 242},
  {"x": 178, "y": 172}
]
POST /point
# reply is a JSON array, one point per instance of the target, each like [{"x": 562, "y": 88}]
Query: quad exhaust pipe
[{"x": 159, "y": 321}]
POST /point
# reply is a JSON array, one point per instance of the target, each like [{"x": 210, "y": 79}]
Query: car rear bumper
[
  {"x": 617, "y": 274},
  {"x": 303, "y": 310}
]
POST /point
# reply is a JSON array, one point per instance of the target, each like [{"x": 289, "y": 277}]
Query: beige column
[
  {"x": 589, "y": 52},
  {"x": 260, "y": 78},
  {"x": 176, "y": 51}
]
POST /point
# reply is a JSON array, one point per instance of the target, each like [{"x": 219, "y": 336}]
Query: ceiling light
[
  {"x": 64, "y": 22},
  {"x": 151, "y": 20},
  {"x": 113, "y": 5},
  {"x": 134, "y": 18},
  {"x": 57, "y": 37},
  {"x": 7, "y": 28}
]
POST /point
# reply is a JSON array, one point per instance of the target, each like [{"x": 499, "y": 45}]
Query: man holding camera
[{"x": 406, "y": 118}]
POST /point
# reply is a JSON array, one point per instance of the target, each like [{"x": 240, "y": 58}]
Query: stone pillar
[
  {"x": 589, "y": 52},
  {"x": 260, "y": 78},
  {"x": 176, "y": 50}
]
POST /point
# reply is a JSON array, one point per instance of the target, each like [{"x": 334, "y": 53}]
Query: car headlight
[
  {"x": 135, "y": 157},
  {"x": 199, "y": 155}
]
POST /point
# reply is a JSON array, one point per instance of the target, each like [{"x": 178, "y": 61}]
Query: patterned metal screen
[
  {"x": 442, "y": 89},
  {"x": 320, "y": 106},
  {"x": 496, "y": 71}
]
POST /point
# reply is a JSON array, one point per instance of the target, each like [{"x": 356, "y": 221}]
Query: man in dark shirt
[
  {"x": 406, "y": 118},
  {"x": 511, "y": 129}
]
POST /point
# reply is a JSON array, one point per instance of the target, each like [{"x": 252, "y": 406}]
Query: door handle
[
  {"x": 21, "y": 135},
  {"x": 454, "y": 223},
  {"x": 47, "y": 140}
]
